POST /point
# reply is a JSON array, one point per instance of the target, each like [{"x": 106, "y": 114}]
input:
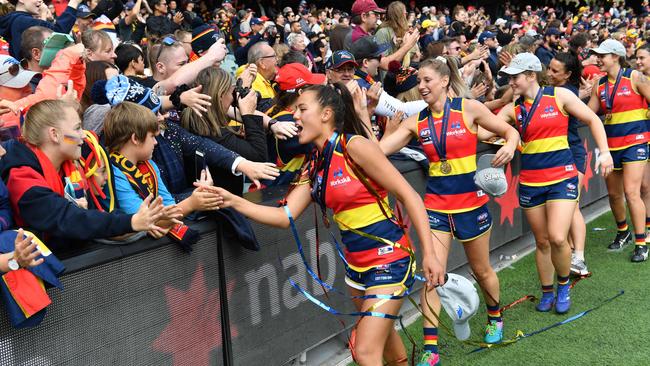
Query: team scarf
[
  {"x": 70, "y": 170},
  {"x": 94, "y": 159},
  {"x": 144, "y": 180}
]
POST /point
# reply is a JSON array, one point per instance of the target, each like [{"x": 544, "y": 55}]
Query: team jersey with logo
[
  {"x": 454, "y": 192},
  {"x": 628, "y": 125},
  {"x": 546, "y": 158},
  {"x": 355, "y": 207}
]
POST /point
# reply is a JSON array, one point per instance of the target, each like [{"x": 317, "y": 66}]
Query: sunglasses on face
[{"x": 14, "y": 68}]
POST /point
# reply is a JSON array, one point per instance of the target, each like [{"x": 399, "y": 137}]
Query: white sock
[{"x": 580, "y": 254}]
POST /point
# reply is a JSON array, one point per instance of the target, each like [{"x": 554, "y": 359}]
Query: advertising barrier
[{"x": 149, "y": 303}]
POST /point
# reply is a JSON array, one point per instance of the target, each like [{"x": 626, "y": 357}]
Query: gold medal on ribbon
[
  {"x": 445, "y": 167},
  {"x": 608, "y": 117},
  {"x": 647, "y": 114}
]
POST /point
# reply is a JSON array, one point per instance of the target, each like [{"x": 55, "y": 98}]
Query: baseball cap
[
  {"x": 532, "y": 33},
  {"x": 527, "y": 41},
  {"x": 490, "y": 179},
  {"x": 552, "y": 31},
  {"x": 367, "y": 47},
  {"x": 516, "y": 26},
  {"x": 256, "y": 21},
  {"x": 52, "y": 45},
  {"x": 340, "y": 58},
  {"x": 295, "y": 75},
  {"x": 500, "y": 21},
  {"x": 460, "y": 300},
  {"x": 120, "y": 89},
  {"x": 287, "y": 10},
  {"x": 364, "y": 6},
  {"x": 522, "y": 62},
  {"x": 83, "y": 12},
  {"x": 429, "y": 23},
  {"x": 425, "y": 9},
  {"x": 610, "y": 46},
  {"x": 12, "y": 75},
  {"x": 485, "y": 35}
]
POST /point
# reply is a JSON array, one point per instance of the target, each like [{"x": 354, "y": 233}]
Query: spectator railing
[{"x": 148, "y": 303}]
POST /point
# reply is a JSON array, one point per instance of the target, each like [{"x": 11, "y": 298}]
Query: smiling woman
[{"x": 327, "y": 119}]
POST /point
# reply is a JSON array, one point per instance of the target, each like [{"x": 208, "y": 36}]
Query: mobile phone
[{"x": 199, "y": 163}]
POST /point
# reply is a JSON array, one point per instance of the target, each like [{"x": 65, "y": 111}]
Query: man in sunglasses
[{"x": 16, "y": 22}]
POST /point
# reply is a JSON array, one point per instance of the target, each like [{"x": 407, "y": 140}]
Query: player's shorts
[
  {"x": 533, "y": 196},
  {"x": 579, "y": 157},
  {"x": 392, "y": 274},
  {"x": 632, "y": 154},
  {"x": 464, "y": 226}
]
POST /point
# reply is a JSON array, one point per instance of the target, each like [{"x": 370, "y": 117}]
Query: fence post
[{"x": 226, "y": 340}]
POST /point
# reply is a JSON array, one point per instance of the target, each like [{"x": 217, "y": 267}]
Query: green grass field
[{"x": 615, "y": 334}]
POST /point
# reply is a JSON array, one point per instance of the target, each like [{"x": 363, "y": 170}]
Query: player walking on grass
[
  {"x": 548, "y": 181},
  {"x": 622, "y": 96},
  {"x": 447, "y": 130},
  {"x": 325, "y": 117},
  {"x": 565, "y": 71}
]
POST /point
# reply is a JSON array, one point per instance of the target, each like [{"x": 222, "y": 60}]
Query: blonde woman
[{"x": 247, "y": 139}]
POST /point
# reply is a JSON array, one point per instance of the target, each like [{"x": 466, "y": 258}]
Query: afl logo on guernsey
[{"x": 425, "y": 135}]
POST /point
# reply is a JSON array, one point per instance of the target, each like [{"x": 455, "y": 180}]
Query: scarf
[
  {"x": 144, "y": 181},
  {"x": 70, "y": 171}
]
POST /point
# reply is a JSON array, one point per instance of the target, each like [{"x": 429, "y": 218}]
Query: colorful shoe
[
  {"x": 494, "y": 332},
  {"x": 429, "y": 359},
  {"x": 563, "y": 303},
  {"x": 622, "y": 239},
  {"x": 545, "y": 304},
  {"x": 640, "y": 254}
]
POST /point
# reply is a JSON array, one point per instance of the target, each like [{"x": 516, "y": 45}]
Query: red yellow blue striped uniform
[
  {"x": 355, "y": 207},
  {"x": 454, "y": 192},
  {"x": 628, "y": 125},
  {"x": 546, "y": 158}
]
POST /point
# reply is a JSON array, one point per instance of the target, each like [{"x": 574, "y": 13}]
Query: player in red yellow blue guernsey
[
  {"x": 643, "y": 66},
  {"x": 326, "y": 118},
  {"x": 456, "y": 206},
  {"x": 548, "y": 181},
  {"x": 622, "y": 97}
]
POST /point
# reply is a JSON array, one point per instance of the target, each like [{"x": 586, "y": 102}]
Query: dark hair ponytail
[
  {"x": 337, "y": 97},
  {"x": 571, "y": 64}
]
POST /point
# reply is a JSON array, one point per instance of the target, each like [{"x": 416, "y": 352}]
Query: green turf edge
[{"x": 615, "y": 334}]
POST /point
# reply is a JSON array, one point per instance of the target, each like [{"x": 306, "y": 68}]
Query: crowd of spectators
[{"x": 118, "y": 117}]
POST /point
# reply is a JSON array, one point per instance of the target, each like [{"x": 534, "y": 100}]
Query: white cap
[
  {"x": 20, "y": 79},
  {"x": 522, "y": 62},
  {"x": 425, "y": 9},
  {"x": 532, "y": 33},
  {"x": 460, "y": 300},
  {"x": 610, "y": 46},
  {"x": 500, "y": 21},
  {"x": 490, "y": 179}
]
